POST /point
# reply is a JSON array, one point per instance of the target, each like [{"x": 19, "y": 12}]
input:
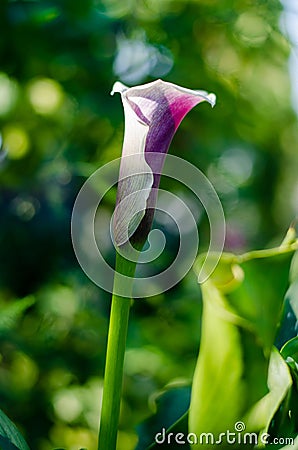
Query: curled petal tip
[
  {"x": 212, "y": 99},
  {"x": 118, "y": 87}
]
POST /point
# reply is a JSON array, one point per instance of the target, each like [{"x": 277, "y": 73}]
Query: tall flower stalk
[{"x": 153, "y": 112}]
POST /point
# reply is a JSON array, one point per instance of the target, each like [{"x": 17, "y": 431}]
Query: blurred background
[{"x": 58, "y": 122}]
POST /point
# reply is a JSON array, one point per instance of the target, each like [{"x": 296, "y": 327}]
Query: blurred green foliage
[
  {"x": 242, "y": 304},
  {"x": 58, "y": 61}
]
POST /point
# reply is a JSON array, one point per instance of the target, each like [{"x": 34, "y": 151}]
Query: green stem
[
  {"x": 257, "y": 254},
  {"x": 114, "y": 360}
]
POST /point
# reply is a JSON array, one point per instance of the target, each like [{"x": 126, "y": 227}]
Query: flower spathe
[{"x": 153, "y": 112}]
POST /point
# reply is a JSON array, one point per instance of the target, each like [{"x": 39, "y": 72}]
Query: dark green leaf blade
[
  {"x": 171, "y": 407},
  {"x": 10, "y": 437}
]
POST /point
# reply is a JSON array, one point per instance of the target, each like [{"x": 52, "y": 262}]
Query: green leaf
[
  {"x": 171, "y": 406},
  {"x": 294, "y": 268},
  {"x": 289, "y": 322},
  {"x": 284, "y": 423},
  {"x": 291, "y": 446},
  {"x": 11, "y": 314},
  {"x": 10, "y": 437},
  {"x": 218, "y": 391},
  {"x": 174, "y": 438},
  {"x": 290, "y": 354},
  {"x": 259, "y": 298},
  {"x": 242, "y": 303},
  {"x": 5, "y": 444},
  {"x": 279, "y": 384},
  {"x": 290, "y": 350}
]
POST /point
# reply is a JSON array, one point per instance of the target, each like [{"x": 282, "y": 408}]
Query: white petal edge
[
  {"x": 135, "y": 175},
  {"x": 122, "y": 88},
  {"x": 119, "y": 87},
  {"x": 209, "y": 97}
]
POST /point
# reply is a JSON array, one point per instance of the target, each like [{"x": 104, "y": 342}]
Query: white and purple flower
[{"x": 153, "y": 112}]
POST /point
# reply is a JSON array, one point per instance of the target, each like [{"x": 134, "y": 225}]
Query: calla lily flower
[{"x": 153, "y": 112}]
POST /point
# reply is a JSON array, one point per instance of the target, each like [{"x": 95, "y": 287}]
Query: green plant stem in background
[
  {"x": 114, "y": 360},
  {"x": 285, "y": 247}
]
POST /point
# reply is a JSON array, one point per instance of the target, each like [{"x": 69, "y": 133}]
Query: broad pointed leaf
[{"x": 10, "y": 437}]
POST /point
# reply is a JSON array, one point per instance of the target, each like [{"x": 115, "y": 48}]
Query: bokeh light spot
[
  {"x": 252, "y": 29},
  {"x": 8, "y": 94},
  {"x": 24, "y": 372},
  {"x": 67, "y": 405},
  {"x": 15, "y": 141},
  {"x": 136, "y": 59},
  {"x": 237, "y": 164},
  {"x": 25, "y": 207},
  {"x": 45, "y": 95}
]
